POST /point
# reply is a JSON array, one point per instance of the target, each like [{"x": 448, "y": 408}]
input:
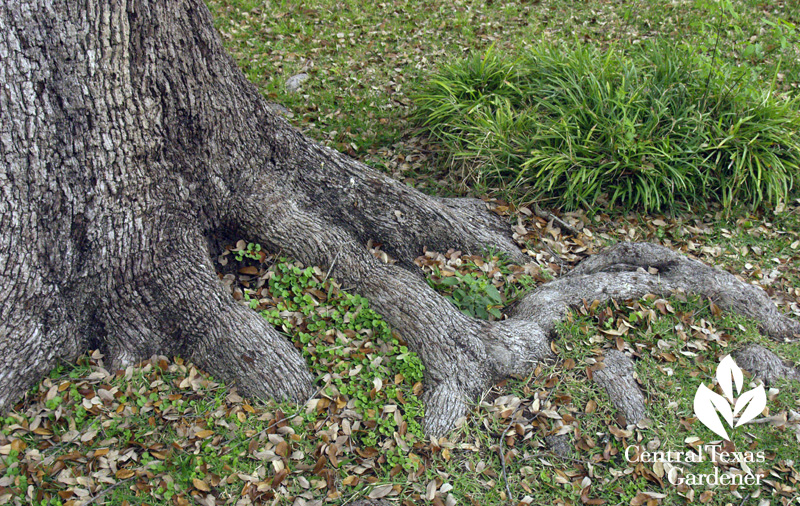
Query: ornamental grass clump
[{"x": 643, "y": 127}]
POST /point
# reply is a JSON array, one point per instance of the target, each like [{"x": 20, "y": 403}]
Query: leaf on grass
[
  {"x": 200, "y": 485},
  {"x": 279, "y": 477},
  {"x": 430, "y": 490},
  {"x": 124, "y": 474},
  {"x": 380, "y": 491}
]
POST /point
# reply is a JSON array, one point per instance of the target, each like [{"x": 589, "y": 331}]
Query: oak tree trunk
[{"x": 131, "y": 146}]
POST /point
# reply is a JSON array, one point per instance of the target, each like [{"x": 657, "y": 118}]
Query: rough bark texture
[
  {"x": 131, "y": 146},
  {"x": 123, "y": 135},
  {"x": 764, "y": 364},
  {"x": 616, "y": 377},
  {"x": 624, "y": 272},
  {"x": 559, "y": 444}
]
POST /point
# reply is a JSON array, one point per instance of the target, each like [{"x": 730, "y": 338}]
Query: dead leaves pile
[
  {"x": 164, "y": 433},
  {"x": 78, "y": 436}
]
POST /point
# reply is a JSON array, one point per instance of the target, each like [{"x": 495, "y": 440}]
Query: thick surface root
[
  {"x": 203, "y": 323},
  {"x": 372, "y": 502},
  {"x": 617, "y": 378},
  {"x": 445, "y": 403},
  {"x": 632, "y": 270},
  {"x": 764, "y": 364},
  {"x": 464, "y": 356}
]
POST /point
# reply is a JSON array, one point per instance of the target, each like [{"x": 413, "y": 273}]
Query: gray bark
[
  {"x": 616, "y": 377},
  {"x": 623, "y": 272},
  {"x": 120, "y": 139},
  {"x": 764, "y": 364},
  {"x": 131, "y": 145}
]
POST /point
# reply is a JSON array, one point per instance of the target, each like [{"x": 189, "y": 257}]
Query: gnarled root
[
  {"x": 464, "y": 356},
  {"x": 632, "y": 270},
  {"x": 161, "y": 315},
  {"x": 616, "y": 377},
  {"x": 764, "y": 364}
]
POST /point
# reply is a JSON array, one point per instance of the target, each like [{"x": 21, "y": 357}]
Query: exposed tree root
[
  {"x": 764, "y": 364},
  {"x": 616, "y": 377},
  {"x": 632, "y": 270},
  {"x": 464, "y": 356},
  {"x": 203, "y": 323},
  {"x": 176, "y": 146}
]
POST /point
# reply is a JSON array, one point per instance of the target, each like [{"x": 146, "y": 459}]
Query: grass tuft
[{"x": 646, "y": 128}]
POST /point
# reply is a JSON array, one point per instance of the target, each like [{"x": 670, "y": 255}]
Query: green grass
[
  {"x": 644, "y": 128},
  {"x": 152, "y": 419},
  {"x": 366, "y": 59},
  {"x": 479, "y": 286},
  {"x": 676, "y": 345}
]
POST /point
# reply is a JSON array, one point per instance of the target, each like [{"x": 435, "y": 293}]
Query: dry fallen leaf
[
  {"x": 380, "y": 491},
  {"x": 200, "y": 485}
]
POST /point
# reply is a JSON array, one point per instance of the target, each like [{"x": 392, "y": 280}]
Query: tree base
[{"x": 115, "y": 198}]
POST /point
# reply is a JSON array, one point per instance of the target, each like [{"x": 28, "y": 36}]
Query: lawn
[{"x": 164, "y": 432}]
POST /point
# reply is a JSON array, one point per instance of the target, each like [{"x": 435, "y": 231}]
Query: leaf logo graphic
[{"x": 709, "y": 405}]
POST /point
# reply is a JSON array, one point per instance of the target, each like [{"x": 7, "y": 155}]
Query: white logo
[{"x": 708, "y": 405}]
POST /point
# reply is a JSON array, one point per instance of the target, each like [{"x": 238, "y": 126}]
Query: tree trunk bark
[{"x": 131, "y": 145}]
